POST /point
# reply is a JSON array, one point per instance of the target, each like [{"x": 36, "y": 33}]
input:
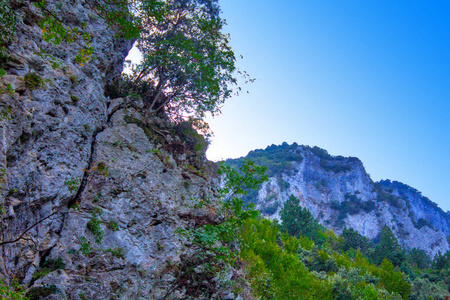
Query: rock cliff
[
  {"x": 339, "y": 193},
  {"x": 92, "y": 191}
]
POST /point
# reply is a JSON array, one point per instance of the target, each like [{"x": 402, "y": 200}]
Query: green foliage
[
  {"x": 441, "y": 261},
  {"x": 298, "y": 221},
  {"x": 333, "y": 166},
  {"x": 388, "y": 248},
  {"x": 116, "y": 14},
  {"x": 351, "y": 206},
  {"x": 214, "y": 240},
  {"x": 94, "y": 225},
  {"x": 277, "y": 159},
  {"x": 113, "y": 225},
  {"x": 7, "y": 23},
  {"x": 74, "y": 98},
  {"x": 270, "y": 209},
  {"x": 274, "y": 272},
  {"x": 4, "y": 58},
  {"x": 422, "y": 222},
  {"x": 351, "y": 239},
  {"x": 40, "y": 292},
  {"x": 423, "y": 289},
  {"x": 319, "y": 266},
  {"x": 47, "y": 266},
  {"x": 418, "y": 259},
  {"x": 249, "y": 176},
  {"x": 5, "y": 113},
  {"x": 384, "y": 196},
  {"x": 194, "y": 141},
  {"x": 331, "y": 163},
  {"x": 15, "y": 292},
  {"x": 33, "y": 81},
  {"x": 187, "y": 58},
  {"x": 56, "y": 31},
  {"x": 72, "y": 184},
  {"x": 117, "y": 252},
  {"x": 85, "y": 246},
  {"x": 3, "y": 177},
  {"x": 102, "y": 168},
  {"x": 393, "y": 280}
]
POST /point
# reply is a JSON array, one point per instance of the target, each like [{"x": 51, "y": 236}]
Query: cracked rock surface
[
  {"x": 342, "y": 194},
  {"x": 86, "y": 184}
]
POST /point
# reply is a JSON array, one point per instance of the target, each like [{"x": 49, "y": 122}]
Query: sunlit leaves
[{"x": 186, "y": 57}]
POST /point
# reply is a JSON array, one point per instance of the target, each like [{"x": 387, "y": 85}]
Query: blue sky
[{"x": 358, "y": 78}]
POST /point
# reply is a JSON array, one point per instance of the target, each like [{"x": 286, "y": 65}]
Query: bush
[
  {"x": 94, "y": 225},
  {"x": 48, "y": 266},
  {"x": 277, "y": 159},
  {"x": 33, "y": 81},
  {"x": 7, "y": 23},
  {"x": 421, "y": 223}
]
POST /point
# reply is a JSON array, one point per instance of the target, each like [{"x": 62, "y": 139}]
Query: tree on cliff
[
  {"x": 187, "y": 60},
  {"x": 389, "y": 248},
  {"x": 298, "y": 221},
  {"x": 188, "y": 66}
]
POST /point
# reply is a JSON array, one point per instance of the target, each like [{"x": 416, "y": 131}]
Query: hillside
[
  {"x": 339, "y": 193},
  {"x": 106, "y": 192},
  {"x": 94, "y": 186}
]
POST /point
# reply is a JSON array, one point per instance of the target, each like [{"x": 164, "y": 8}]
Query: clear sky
[{"x": 358, "y": 78}]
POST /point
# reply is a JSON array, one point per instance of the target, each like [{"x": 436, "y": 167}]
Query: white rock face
[
  {"x": 339, "y": 193},
  {"x": 70, "y": 155}
]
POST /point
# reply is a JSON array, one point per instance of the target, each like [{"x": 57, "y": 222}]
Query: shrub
[
  {"x": 7, "y": 23},
  {"x": 113, "y": 225},
  {"x": 33, "y": 81},
  {"x": 48, "y": 266},
  {"x": 117, "y": 252},
  {"x": 94, "y": 225}
]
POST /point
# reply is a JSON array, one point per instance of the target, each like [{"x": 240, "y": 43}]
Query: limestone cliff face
[
  {"x": 86, "y": 181},
  {"x": 339, "y": 193}
]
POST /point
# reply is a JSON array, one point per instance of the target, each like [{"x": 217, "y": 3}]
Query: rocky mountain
[
  {"x": 339, "y": 193},
  {"x": 93, "y": 190}
]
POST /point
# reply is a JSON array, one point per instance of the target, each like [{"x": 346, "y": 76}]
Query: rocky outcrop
[
  {"x": 339, "y": 193},
  {"x": 92, "y": 192}
]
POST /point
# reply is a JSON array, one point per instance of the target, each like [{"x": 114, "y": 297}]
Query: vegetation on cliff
[{"x": 188, "y": 70}]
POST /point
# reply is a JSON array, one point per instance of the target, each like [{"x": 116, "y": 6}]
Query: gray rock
[
  {"x": 323, "y": 192},
  {"x": 82, "y": 184}
]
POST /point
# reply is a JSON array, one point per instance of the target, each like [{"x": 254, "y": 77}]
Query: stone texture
[
  {"x": 323, "y": 193},
  {"x": 70, "y": 155}
]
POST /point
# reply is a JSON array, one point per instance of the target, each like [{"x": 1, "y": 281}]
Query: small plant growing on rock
[
  {"x": 33, "y": 81},
  {"x": 87, "y": 127},
  {"x": 117, "y": 252},
  {"x": 41, "y": 292},
  {"x": 74, "y": 98},
  {"x": 156, "y": 151},
  {"x": 85, "y": 247},
  {"x": 102, "y": 168},
  {"x": 5, "y": 114},
  {"x": 94, "y": 225},
  {"x": 72, "y": 184},
  {"x": 11, "y": 292},
  {"x": 49, "y": 266},
  {"x": 113, "y": 225},
  {"x": 73, "y": 79}
]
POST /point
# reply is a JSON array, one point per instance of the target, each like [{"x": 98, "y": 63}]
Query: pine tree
[
  {"x": 298, "y": 221},
  {"x": 388, "y": 248}
]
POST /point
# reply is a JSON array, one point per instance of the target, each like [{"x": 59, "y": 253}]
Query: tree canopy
[
  {"x": 188, "y": 65},
  {"x": 298, "y": 221}
]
